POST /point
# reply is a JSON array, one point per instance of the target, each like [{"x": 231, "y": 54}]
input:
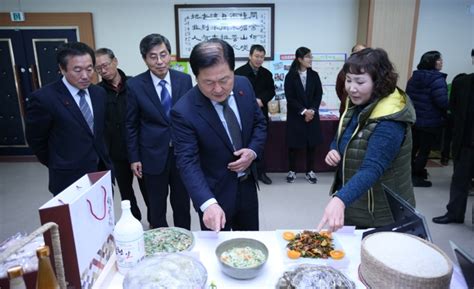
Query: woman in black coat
[{"x": 303, "y": 93}]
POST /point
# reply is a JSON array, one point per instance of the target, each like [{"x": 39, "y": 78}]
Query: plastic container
[{"x": 129, "y": 242}]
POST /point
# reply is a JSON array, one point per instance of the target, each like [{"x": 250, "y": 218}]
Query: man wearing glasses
[
  {"x": 151, "y": 153},
  {"x": 113, "y": 81}
]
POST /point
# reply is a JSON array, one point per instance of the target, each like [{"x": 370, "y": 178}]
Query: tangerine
[
  {"x": 325, "y": 233},
  {"x": 293, "y": 254},
  {"x": 288, "y": 236},
  {"x": 337, "y": 254}
]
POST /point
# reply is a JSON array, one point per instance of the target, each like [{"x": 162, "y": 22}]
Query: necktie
[
  {"x": 165, "y": 97},
  {"x": 232, "y": 125},
  {"x": 86, "y": 110}
]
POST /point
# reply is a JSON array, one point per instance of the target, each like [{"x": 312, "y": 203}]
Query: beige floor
[{"x": 23, "y": 189}]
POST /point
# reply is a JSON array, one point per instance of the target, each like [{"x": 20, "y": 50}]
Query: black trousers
[
  {"x": 157, "y": 189},
  {"x": 310, "y": 158},
  {"x": 462, "y": 176},
  {"x": 124, "y": 176},
  {"x": 245, "y": 217},
  {"x": 423, "y": 141},
  {"x": 447, "y": 137}
]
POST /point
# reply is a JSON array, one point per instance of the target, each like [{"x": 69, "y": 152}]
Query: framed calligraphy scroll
[{"x": 241, "y": 25}]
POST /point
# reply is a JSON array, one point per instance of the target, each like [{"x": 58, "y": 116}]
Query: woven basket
[
  {"x": 375, "y": 274},
  {"x": 58, "y": 257}
]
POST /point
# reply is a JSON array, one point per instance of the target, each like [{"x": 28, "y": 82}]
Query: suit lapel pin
[{"x": 241, "y": 93}]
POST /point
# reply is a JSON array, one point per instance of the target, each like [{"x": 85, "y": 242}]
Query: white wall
[
  {"x": 446, "y": 26},
  {"x": 322, "y": 25}
]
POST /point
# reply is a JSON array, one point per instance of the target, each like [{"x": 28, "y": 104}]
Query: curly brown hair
[{"x": 376, "y": 63}]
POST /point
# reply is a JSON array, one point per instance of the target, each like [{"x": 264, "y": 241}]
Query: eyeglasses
[{"x": 101, "y": 67}]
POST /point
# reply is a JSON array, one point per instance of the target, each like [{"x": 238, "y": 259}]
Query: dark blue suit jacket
[
  {"x": 203, "y": 148},
  {"x": 148, "y": 127},
  {"x": 60, "y": 137}
]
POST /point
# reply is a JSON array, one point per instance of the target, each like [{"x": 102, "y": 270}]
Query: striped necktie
[
  {"x": 86, "y": 110},
  {"x": 165, "y": 97}
]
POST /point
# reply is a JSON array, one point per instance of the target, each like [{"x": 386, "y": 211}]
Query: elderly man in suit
[
  {"x": 151, "y": 152},
  {"x": 219, "y": 131},
  {"x": 114, "y": 82},
  {"x": 65, "y": 120}
]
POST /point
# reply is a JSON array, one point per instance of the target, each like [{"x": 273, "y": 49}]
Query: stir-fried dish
[
  {"x": 245, "y": 257},
  {"x": 312, "y": 244}
]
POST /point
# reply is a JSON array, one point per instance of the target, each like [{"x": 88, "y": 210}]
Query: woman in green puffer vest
[{"x": 372, "y": 146}]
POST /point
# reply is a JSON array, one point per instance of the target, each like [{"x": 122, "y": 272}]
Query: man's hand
[
  {"x": 333, "y": 215},
  {"x": 246, "y": 156},
  {"x": 333, "y": 158},
  {"x": 308, "y": 115},
  {"x": 259, "y": 102},
  {"x": 214, "y": 218},
  {"x": 137, "y": 169}
]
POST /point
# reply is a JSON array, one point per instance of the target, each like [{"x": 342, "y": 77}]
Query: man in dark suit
[
  {"x": 113, "y": 81},
  {"x": 264, "y": 88},
  {"x": 151, "y": 153},
  {"x": 218, "y": 131},
  {"x": 65, "y": 120},
  {"x": 461, "y": 104}
]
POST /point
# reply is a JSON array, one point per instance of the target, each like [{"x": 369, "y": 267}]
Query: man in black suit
[
  {"x": 151, "y": 152},
  {"x": 113, "y": 81},
  {"x": 461, "y": 104},
  {"x": 65, "y": 120},
  {"x": 219, "y": 130},
  {"x": 264, "y": 87}
]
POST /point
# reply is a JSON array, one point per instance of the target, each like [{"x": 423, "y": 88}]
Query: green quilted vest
[{"x": 371, "y": 209}]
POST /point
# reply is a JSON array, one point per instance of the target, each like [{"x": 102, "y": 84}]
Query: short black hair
[
  {"x": 211, "y": 52},
  {"x": 105, "y": 51},
  {"x": 152, "y": 40},
  {"x": 73, "y": 49},
  {"x": 428, "y": 60},
  {"x": 257, "y": 47}
]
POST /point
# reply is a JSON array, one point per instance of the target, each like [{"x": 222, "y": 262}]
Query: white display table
[{"x": 206, "y": 243}]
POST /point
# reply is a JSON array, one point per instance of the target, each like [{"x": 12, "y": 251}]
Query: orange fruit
[
  {"x": 288, "y": 236},
  {"x": 337, "y": 254},
  {"x": 293, "y": 254},
  {"x": 325, "y": 233}
]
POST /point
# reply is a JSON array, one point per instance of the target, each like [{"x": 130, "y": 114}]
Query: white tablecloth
[{"x": 206, "y": 243}]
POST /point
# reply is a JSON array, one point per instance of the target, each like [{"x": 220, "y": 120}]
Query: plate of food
[
  {"x": 166, "y": 270},
  {"x": 168, "y": 240},
  {"x": 306, "y": 246}
]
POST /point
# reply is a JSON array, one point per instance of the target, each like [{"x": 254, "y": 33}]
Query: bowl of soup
[{"x": 242, "y": 258}]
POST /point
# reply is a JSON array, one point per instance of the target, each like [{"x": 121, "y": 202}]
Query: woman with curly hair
[{"x": 372, "y": 146}]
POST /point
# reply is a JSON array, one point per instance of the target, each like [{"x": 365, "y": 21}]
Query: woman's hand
[
  {"x": 333, "y": 215},
  {"x": 333, "y": 158}
]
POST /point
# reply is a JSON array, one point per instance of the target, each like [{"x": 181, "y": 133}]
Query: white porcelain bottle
[{"x": 129, "y": 243}]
